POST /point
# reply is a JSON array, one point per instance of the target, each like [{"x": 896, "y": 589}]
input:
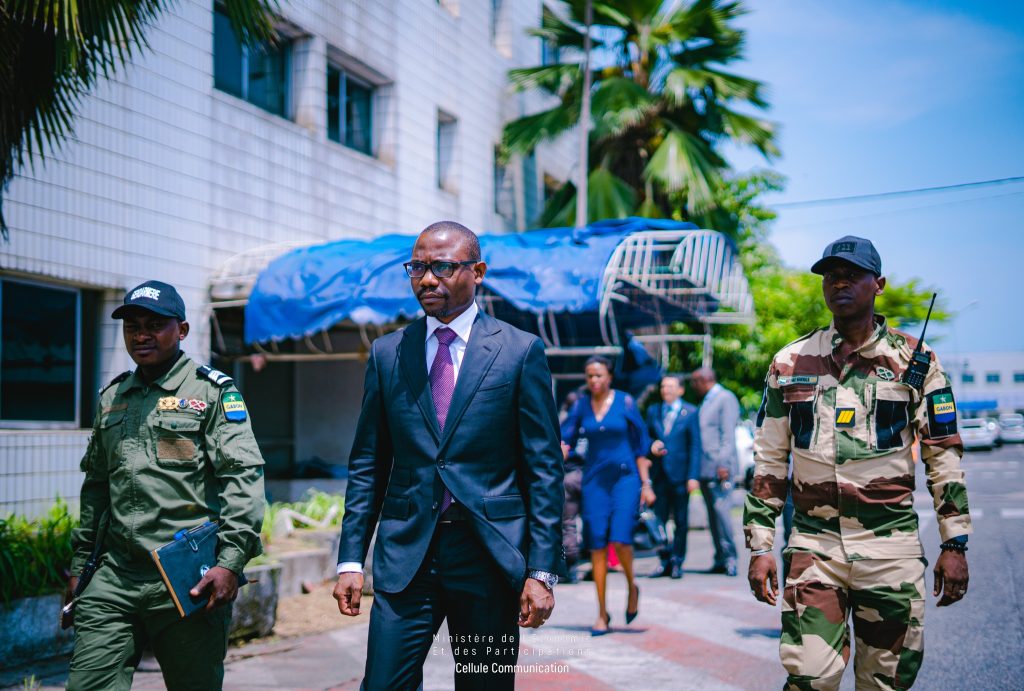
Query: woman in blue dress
[{"x": 615, "y": 478}]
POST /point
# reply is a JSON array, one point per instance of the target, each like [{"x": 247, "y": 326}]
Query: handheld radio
[{"x": 919, "y": 361}]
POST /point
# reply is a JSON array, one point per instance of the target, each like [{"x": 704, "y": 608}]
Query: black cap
[
  {"x": 856, "y": 251},
  {"x": 154, "y": 296}
]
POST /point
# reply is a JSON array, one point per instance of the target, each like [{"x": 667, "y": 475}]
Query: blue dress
[{"x": 611, "y": 482}]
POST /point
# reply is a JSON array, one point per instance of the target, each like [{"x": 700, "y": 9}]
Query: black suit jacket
[
  {"x": 682, "y": 462},
  {"x": 499, "y": 455}
]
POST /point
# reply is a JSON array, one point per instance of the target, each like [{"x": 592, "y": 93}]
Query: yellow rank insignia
[
  {"x": 167, "y": 403},
  {"x": 234, "y": 406},
  {"x": 845, "y": 417}
]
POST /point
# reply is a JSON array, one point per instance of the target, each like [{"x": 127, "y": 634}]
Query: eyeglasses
[{"x": 440, "y": 268}]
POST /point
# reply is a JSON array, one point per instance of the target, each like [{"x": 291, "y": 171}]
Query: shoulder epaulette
[
  {"x": 117, "y": 380},
  {"x": 216, "y": 376},
  {"x": 802, "y": 338}
]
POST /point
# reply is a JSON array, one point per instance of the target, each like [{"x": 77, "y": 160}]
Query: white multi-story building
[
  {"x": 987, "y": 382},
  {"x": 367, "y": 117}
]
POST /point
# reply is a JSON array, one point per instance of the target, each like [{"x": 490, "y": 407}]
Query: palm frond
[
  {"x": 52, "y": 52},
  {"x": 746, "y": 129},
  {"x": 523, "y": 135},
  {"x": 683, "y": 162},
  {"x": 553, "y": 79},
  {"x": 620, "y": 103}
]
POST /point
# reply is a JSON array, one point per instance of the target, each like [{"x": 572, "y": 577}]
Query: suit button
[
  {"x": 440, "y": 463},
  {"x": 434, "y": 506}
]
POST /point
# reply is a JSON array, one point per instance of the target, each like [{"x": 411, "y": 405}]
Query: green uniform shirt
[
  {"x": 849, "y": 426},
  {"x": 166, "y": 456}
]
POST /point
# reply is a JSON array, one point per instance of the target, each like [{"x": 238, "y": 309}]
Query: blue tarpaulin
[{"x": 313, "y": 288}]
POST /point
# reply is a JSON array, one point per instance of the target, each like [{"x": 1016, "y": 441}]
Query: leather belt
[{"x": 454, "y": 514}]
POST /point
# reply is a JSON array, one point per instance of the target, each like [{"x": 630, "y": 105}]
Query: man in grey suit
[
  {"x": 457, "y": 463},
  {"x": 718, "y": 415}
]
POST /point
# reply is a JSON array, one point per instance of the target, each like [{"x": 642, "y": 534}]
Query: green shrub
[
  {"x": 35, "y": 554},
  {"x": 314, "y": 504}
]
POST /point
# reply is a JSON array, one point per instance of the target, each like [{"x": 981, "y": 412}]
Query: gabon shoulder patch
[{"x": 941, "y": 413}]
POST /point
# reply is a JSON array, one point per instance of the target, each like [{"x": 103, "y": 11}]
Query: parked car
[
  {"x": 977, "y": 434},
  {"x": 1011, "y": 428},
  {"x": 745, "y": 451}
]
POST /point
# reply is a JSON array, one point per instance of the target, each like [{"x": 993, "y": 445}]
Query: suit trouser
[
  {"x": 718, "y": 500},
  {"x": 673, "y": 499},
  {"x": 886, "y": 598},
  {"x": 572, "y": 491},
  {"x": 460, "y": 581},
  {"x": 116, "y": 617}
]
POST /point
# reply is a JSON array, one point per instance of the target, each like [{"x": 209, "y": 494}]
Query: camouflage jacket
[{"x": 850, "y": 427}]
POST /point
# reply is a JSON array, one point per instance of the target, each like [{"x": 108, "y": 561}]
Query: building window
[
  {"x": 550, "y": 53},
  {"x": 992, "y": 377},
  {"x": 260, "y": 74},
  {"x": 39, "y": 353},
  {"x": 504, "y": 191},
  {"x": 967, "y": 378},
  {"x": 1018, "y": 377},
  {"x": 349, "y": 110},
  {"x": 446, "y": 130}
]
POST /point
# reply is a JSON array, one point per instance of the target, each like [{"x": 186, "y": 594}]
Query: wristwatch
[
  {"x": 956, "y": 544},
  {"x": 549, "y": 580}
]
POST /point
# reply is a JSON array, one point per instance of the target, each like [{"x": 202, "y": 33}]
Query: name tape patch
[{"x": 798, "y": 379}]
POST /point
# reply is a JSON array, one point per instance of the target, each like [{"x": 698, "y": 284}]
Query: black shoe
[
  {"x": 664, "y": 572},
  {"x": 730, "y": 568},
  {"x": 630, "y": 616},
  {"x": 718, "y": 568},
  {"x": 677, "y": 572},
  {"x": 602, "y": 632}
]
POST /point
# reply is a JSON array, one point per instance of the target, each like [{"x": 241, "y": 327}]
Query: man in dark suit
[
  {"x": 675, "y": 453},
  {"x": 457, "y": 453}
]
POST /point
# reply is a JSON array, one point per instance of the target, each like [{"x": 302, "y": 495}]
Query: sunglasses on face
[{"x": 440, "y": 267}]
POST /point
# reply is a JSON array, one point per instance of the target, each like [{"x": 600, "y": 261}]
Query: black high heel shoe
[
  {"x": 630, "y": 616},
  {"x": 602, "y": 632}
]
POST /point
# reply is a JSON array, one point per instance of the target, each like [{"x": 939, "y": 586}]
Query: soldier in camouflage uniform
[
  {"x": 836, "y": 401},
  {"x": 171, "y": 448}
]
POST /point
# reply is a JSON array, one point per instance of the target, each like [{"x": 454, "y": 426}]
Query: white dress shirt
[{"x": 462, "y": 325}]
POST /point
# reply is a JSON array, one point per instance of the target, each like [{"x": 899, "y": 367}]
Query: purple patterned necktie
[{"x": 442, "y": 385}]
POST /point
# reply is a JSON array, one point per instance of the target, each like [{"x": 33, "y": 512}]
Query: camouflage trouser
[{"x": 887, "y": 600}]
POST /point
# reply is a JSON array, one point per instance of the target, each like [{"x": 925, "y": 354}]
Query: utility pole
[{"x": 581, "y": 186}]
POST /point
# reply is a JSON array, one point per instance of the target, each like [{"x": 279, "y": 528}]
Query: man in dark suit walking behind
[
  {"x": 457, "y": 453},
  {"x": 675, "y": 453}
]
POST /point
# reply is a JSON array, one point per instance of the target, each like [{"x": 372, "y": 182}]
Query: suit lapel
[
  {"x": 412, "y": 352},
  {"x": 659, "y": 420},
  {"x": 478, "y": 358}
]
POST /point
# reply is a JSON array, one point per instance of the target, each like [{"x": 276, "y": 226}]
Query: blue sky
[{"x": 876, "y": 96}]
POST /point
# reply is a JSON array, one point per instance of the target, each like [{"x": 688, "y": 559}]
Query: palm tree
[
  {"x": 662, "y": 107},
  {"x": 53, "y": 51}
]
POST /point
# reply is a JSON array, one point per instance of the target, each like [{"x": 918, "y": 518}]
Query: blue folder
[{"x": 186, "y": 559}]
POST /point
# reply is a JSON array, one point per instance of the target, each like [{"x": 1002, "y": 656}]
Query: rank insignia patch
[
  {"x": 885, "y": 373},
  {"x": 196, "y": 405},
  {"x": 234, "y": 406},
  {"x": 941, "y": 413},
  {"x": 845, "y": 417},
  {"x": 167, "y": 403}
]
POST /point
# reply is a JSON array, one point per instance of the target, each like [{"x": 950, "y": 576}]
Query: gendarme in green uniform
[{"x": 164, "y": 456}]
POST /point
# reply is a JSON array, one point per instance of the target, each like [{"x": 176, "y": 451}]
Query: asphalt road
[{"x": 979, "y": 642}]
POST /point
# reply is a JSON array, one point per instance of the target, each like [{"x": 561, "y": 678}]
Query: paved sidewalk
[{"x": 701, "y": 632}]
